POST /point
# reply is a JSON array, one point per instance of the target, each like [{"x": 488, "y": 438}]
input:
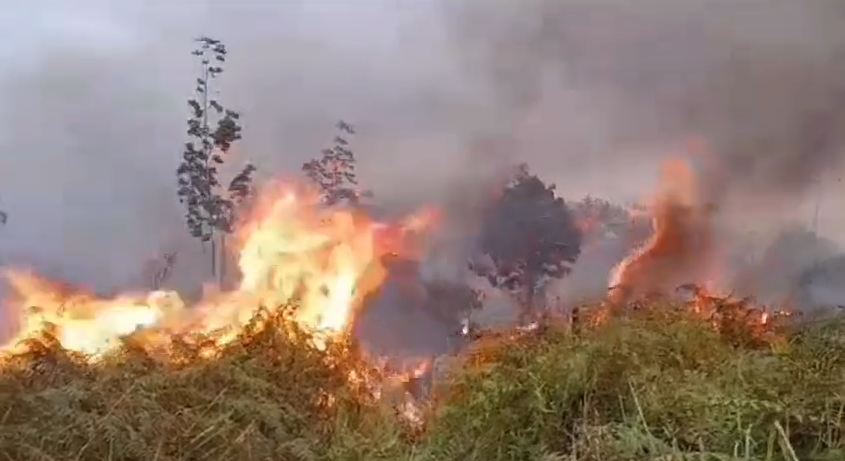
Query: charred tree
[
  {"x": 530, "y": 236},
  {"x": 211, "y": 207}
]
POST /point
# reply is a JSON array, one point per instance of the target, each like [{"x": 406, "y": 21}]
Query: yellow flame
[
  {"x": 291, "y": 248},
  {"x": 82, "y": 322}
]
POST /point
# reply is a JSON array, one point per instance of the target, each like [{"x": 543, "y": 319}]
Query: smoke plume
[{"x": 444, "y": 94}]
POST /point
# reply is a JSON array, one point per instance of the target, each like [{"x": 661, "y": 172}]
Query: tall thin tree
[{"x": 210, "y": 208}]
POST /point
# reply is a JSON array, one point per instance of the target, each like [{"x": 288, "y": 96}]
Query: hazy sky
[{"x": 591, "y": 94}]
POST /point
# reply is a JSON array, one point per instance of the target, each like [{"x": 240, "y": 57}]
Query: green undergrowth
[{"x": 650, "y": 386}]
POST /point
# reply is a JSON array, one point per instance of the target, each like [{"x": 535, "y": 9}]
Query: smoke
[
  {"x": 751, "y": 95},
  {"x": 795, "y": 268},
  {"x": 760, "y": 83},
  {"x": 444, "y": 94},
  {"x": 94, "y": 108}
]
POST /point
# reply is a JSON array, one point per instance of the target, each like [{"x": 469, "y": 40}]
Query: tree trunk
[
  {"x": 221, "y": 274},
  {"x": 213, "y": 256},
  {"x": 528, "y": 303}
]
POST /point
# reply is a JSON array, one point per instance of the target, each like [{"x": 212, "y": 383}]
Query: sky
[{"x": 593, "y": 95}]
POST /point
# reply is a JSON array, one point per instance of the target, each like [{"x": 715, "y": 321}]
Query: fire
[
  {"x": 292, "y": 251},
  {"x": 680, "y": 244},
  {"x": 83, "y": 322},
  {"x": 681, "y": 255}
]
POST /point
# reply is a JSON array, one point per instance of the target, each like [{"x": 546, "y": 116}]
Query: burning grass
[
  {"x": 267, "y": 395},
  {"x": 657, "y": 383}
]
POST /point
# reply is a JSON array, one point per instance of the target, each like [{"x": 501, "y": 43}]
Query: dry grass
[
  {"x": 656, "y": 385},
  {"x": 264, "y": 396}
]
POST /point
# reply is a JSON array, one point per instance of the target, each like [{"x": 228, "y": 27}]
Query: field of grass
[{"x": 650, "y": 386}]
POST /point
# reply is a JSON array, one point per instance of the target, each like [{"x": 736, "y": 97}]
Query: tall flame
[
  {"x": 291, "y": 248},
  {"x": 680, "y": 245}
]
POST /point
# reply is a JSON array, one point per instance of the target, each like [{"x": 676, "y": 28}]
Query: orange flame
[
  {"x": 291, "y": 248},
  {"x": 679, "y": 245},
  {"x": 83, "y": 322}
]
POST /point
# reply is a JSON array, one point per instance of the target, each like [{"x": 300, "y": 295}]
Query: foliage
[
  {"x": 261, "y": 397},
  {"x": 530, "y": 235},
  {"x": 593, "y": 214},
  {"x": 4, "y": 217},
  {"x": 658, "y": 384},
  {"x": 210, "y": 209},
  {"x": 334, "y": 172}
]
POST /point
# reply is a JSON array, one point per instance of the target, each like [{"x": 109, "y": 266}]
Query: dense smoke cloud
[
  {"x": 444, "y": 95},
  {"x": 751, "y": 94},
  {"x": 760, "y": 82}
]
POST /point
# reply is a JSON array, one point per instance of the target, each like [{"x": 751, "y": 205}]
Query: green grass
[
  {"x": 655, "y": 386},
  {"x": 651, "y": 386}
]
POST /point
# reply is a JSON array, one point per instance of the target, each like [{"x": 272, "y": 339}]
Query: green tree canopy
[{"x": 530, "y": 236}]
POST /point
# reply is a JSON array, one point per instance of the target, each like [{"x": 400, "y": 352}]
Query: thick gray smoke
[
  {"x": 760, "y": 82},
  {"x": 752, "y": 93},
  {"x": 592, "y": 94}
]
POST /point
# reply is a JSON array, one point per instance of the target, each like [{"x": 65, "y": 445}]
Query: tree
[
  {"x": 334, "y": 172},
  {"x": 598, "y": 217},
  {"x": 530, "y": 236},
  {"x": 160, "y": 269},
  {"x": 211, "y": 208}
]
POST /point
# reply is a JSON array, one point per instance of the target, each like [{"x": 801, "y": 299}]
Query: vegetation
[
  {"x": 265, "y": 396},
  {"x": 334, "y": 172},
  {"x": 655, "y": 385},
  {"x": 593, "y": 212},
  {"x": 210, "y": 208},
  {"x": 531, "y": 237}
]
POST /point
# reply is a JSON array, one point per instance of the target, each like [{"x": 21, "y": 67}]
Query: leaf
[
  {"x": 240, "y": 186},
  {"x": 195, "y": 106},
  {"x": 343, "y": 126},
  {"x": 3, "y": 217},
  {"x": 529, "y": 234}
]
